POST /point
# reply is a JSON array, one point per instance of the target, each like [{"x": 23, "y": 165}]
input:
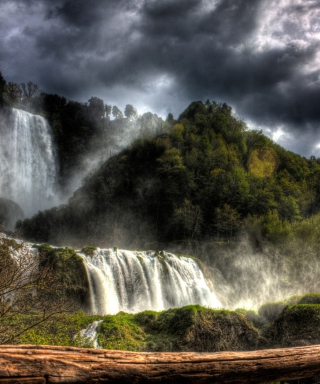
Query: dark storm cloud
[{"x": 259, "y": 56}]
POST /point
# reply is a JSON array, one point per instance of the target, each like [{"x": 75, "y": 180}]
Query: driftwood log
[{"x": 46, "y": 364}]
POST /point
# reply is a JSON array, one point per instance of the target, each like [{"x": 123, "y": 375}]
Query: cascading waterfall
[
  {"x": 137, "y": 281},
  {"x": 28, "y": 169}
]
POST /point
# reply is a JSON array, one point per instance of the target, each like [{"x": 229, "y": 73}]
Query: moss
[
  {"x": 310, "y": 298},
  {"x": 140, "y": 258},
  {"x": 191, "y": 328},
  {"x": 89, "y": 250},
  {"x": 163, "y": 261},
  {"x": 11, "y": 243},
  {"x": 195, "y": 328},
  {"x": 271, "y": 311},
  {"x": 121, "y": 332},
  {"x": 298, "y": 324},
  {"x": 294, "y": 299},
  {"x": 61, "y": 329},
  {"x": 6, "y": 245},
  {"x": 252, "y": 317},
  {"x": 69, "y": 267}
]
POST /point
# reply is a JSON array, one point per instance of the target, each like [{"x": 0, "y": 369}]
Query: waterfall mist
[
  {"x": 117, "y": 135},
  {"x": 28, "y": 167},
  {"x": 247, "y": 278}
]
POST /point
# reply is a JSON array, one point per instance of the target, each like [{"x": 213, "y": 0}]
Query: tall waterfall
[
  {"x": 136, "y": 281},
  {"x": 28, "y": 170}
]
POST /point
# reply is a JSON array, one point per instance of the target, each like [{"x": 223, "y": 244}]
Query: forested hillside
[{"x": 205, "y": 177}]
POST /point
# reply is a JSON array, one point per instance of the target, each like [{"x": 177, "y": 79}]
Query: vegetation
[
  {"x": 31, "y": 292},
  {"x": 191, "y": 328},
  {"x": 68, "y": 268},
  {"x": 89, "y": 250}
]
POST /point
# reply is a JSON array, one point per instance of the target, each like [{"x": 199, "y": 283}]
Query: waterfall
[
  {"x": 28, "y": 169},
  {"x": 137, "y": 281}
]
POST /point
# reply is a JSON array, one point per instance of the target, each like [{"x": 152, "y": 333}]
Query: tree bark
[{"x": 50, "y": 364}]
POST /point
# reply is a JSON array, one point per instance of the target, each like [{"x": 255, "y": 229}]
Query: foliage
[
  {"x": 89, "y": 250},
  {"x": 27, "y": 289}
]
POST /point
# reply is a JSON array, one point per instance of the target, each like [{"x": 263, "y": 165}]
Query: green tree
[
  {"x": 130, "y": 112},
  {"x": 13, "y": 93},
  {"x": 227, "y": 221},
  {"x": 108, "y": 110},
  {"x": 2, "y": 89},
  {"x": 96, "y": 107},
  {"x": 116, "y": 113},
  {"x": 186, "y": 221}
]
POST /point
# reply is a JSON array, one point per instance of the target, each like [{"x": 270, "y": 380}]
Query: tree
[
  {"x": 116, "y": 113},
  {"x": 13, "y": 93},
  {"x": 26, "y": 291},
  {"x": 130, "y": 112},
  {"x": 96, "y": 109},
  {"x": 2, "y": 89},
  {"x": 108, "y": 109},
  {"x": 30, "y": 90},
  {"x": 227, "y": 220}
]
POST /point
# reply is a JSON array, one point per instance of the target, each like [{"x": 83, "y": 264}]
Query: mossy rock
[
  {"x": 89, "y": 250},
  {"x": 190, "y": 328},
  {"x": 271, "y": 311},
  {"x": 294, "y": 299},
  {"x": 121, "y": 332},
  {"x": 297, "y": 325},
  {"x": 310, "y": 298},
  {"x": 70, "y": 269},
  {"x": 195, "y": 328},
  {"x": 252, "y": 316}
]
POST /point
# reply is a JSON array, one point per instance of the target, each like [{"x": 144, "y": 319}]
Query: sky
[{"x": 262, "y": 57}]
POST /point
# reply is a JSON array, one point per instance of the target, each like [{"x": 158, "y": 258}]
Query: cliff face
[{"x": 10, "y": 213}]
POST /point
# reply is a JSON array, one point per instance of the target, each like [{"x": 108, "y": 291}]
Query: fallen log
[{"x": 50, "y": 364}]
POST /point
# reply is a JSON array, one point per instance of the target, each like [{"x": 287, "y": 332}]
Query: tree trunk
[{"x": 47, "y": 364}]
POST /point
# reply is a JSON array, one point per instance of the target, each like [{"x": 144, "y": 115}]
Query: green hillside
[{"x": 205, "y": 178}]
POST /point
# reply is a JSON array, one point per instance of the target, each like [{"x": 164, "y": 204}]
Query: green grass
[{"x": 60, "y": 329}]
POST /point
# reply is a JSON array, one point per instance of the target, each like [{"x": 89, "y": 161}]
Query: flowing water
[
  {"x": 89, "y": 335},
  {"x": 28, "y": 167},
  {"x": 136, "y": 281}
]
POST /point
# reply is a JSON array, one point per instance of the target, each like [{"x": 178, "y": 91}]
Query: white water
[
  {"x": 28, "y": 170},
  {"x": 137, "y": 281},
  {"x": 89, "y": 335}
]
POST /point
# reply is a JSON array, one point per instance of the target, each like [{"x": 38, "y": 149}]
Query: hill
[{"x": 205, "y": 177}]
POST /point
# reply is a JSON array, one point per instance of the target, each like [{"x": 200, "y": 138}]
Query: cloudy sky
[{"x": 262, "y": 57}]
